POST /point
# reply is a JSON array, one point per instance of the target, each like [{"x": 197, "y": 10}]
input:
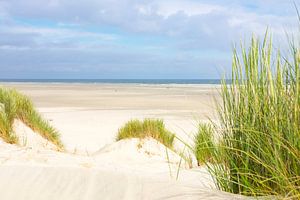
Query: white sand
[
  {"x": 29, "y": 138},
  {"x": 97, "y": 167}
]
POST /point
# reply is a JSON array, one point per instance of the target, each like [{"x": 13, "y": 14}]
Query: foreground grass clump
[
  {"x": 260, "y": 119},
  {"x": 204, "y": 147},
  {"x": 147, "y": 128},
  {"x": 14, "y": 105}
]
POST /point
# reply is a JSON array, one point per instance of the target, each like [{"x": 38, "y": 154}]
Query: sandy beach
[
  {"x": 88, "y": 116},
  {"x": 130, "y": 100},
  {"x": 94, "y": 165}
]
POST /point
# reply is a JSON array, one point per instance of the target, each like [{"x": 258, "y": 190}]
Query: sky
[{"x": 132, "y": 39}]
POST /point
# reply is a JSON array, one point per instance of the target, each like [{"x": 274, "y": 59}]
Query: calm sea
[{"x": 137, "y": 81}]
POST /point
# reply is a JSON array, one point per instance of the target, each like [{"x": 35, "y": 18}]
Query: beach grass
[
  {"x": 6, "y": 132},
  {"x": 260, "y": 124},
  {"x": 14, "y": 105},
  {"x": 204, "y": 144},
  {"x": 154, "y": 128}
]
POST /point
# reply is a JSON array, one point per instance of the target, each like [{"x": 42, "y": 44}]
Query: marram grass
[
  {"x": 260, "y": 124},
  {"x": 14, "y": 105},
  {"x": 154, "y": 128},
  {"x": 204, "y": 144}
]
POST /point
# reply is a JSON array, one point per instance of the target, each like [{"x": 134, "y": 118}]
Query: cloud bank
[{"x": 131, "y": 38}]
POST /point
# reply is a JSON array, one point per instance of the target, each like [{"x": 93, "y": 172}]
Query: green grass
[
  {"x": 260, "y": 124},
  {"x": 6, "y": 128},
  {"x": 147, "y": 128},
  {"x": 204, "y": 144},
  {"x": 14, "y": 105}
]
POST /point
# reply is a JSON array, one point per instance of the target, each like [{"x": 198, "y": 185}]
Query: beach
[
  {"x": 94, "y": 165},
  {"x": 149, "y": 100},
  {"x": 88, "y": 116}
]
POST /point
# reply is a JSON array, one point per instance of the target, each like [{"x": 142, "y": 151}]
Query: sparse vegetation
[
  {"x": 147, "y": 128},
  {"x": 14, "y": 105},
  {"x": 260, "y": 124}
]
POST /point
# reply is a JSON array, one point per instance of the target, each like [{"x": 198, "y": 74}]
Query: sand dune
[
  {"x": 29, "y": 138},
  {"x": 94, "y": 166},
  {"x": 119, "y": 171},
  {"x": 38, "y": 182}
]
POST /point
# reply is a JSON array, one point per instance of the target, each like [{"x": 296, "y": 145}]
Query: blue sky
[{"x": 188, "y": 39}]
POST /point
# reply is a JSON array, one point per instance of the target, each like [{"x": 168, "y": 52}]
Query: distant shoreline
[{"x": 116, "y": 81}]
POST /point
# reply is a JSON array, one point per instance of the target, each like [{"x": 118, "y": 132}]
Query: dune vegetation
[
  {"x": 204, "y": 145},
  {"x": 14, "y": 105},
  {"x": 260, "y": 125},
  {"x": 154, "y": 128}
]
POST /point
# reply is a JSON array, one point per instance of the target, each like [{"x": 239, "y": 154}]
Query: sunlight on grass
[
  {"x": 14, "y": 105},
  {"x": 260, "y": 124},
  {"x": 204, "y": 147},
  {"x": 147, "y": 128}
]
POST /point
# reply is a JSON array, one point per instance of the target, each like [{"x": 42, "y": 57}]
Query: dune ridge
[{"x": 93, "y": 165}]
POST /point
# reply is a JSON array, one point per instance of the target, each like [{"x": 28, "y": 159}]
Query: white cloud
[
  {"x": 156, "y": 16},
  {"x": 188, "y": 26},
  {"x": 171, "y": 7},
  {"x": 59, "y": 32},
  {"x": 20, "y": 36}
]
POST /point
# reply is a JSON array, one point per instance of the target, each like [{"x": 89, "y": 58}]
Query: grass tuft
[
  {"x": 204, "y": 145},
  {"x": 14, "y": 105},
  {"x": 147, "y": 128},
  {"x": 260, "y": 124}
]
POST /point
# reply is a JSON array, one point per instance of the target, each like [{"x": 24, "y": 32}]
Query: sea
[{"x": 117, "y": 81}]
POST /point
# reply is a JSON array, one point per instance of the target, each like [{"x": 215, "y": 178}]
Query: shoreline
[
  {"x": 217, "y": 85},
  {"x": 121, "y": 96}
]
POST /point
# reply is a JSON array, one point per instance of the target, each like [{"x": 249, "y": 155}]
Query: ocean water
[{"x": 136, "y": 81}]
